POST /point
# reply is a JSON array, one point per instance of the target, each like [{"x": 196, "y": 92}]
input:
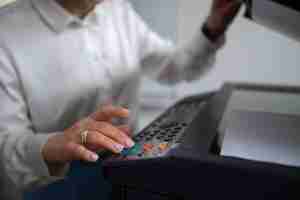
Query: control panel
[
  {"x": 164, "y": 134},
  {"x": 182, "y": 143}
]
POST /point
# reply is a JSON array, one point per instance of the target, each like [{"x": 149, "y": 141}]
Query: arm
[
  {"x": 168, "y": 64},
  {"x": 20, "y": 146},
  {"x": 30, "y": 158}
]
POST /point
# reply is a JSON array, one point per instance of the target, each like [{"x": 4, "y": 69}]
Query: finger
[
  {"x": 112, "y": 132},
  {"x": 98, "y": 140},
  {"x": 79, "y": 152},
  {"x": 126, "y": 129},
  {"x": 109, "y": 112}
]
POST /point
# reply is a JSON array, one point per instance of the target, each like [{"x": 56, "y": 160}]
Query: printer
[{"x": 240, "y": 142}]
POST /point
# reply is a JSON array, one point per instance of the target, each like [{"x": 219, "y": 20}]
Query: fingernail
[
  {"x": 94, "y": 157},
  {"x": 119, "y": 147},
  {"x": 129, "y": 143}
]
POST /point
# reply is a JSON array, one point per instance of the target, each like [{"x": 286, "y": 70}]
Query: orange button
[
  {"x": 163, "y": 146},
  {"x": 148, "y": 147}
]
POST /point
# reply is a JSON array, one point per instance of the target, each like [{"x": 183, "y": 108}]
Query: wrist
[
  {"x": 57, "y": 167},
  {"x": 52, "y": 148},
  {"x": 213, "y": 28},
  {"x": 210, "y": 33}
]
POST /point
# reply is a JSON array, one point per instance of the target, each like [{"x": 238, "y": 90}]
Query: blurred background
[
  {"x": 253, "y": 53},
  {"x": 4, "y": 2}
]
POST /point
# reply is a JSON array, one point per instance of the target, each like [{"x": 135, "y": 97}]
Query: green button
[{"x": 134, "y": 150}]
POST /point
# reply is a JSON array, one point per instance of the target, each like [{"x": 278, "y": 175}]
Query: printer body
[
  {"x": 201, "y": 166},
  {"x": 197, "y": 168},
  {"x": 282, "y": 16}
]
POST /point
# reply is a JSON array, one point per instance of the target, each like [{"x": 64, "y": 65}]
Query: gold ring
[{"x": 83, "y": 136}]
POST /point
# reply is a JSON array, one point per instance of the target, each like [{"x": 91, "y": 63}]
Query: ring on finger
[{"x": 83, "y": 136}]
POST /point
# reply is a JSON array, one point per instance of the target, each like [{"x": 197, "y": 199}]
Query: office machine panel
[
  {"x": 179, "y": 156},
  {"x": 280, "y": 15}
]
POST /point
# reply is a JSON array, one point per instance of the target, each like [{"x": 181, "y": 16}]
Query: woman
[{"x": 62, "y": 61}]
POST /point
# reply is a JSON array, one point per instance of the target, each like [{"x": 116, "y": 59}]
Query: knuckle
[
  {"x": 103, "y": 125},
  {"x": 91, "y": 126},
  {"x": 70, "y": 135},
  {"x": 92, "y": 138},
  {"x": 70, "y": 147}
]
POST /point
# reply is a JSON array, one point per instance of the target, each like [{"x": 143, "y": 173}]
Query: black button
[
  {"x": 166, "y": 126},
  {"x": 159, "y": 135},
  {"x": 148, "y": 132}
]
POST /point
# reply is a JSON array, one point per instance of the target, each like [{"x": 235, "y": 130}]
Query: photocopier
[{"x": 240, "y": 142}]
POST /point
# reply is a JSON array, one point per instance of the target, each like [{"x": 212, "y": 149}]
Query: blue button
[{"x": 132, "y": 151}]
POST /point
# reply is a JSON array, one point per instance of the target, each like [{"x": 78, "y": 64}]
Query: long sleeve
[
  {"x": 169, "y": 64},
  {"x": 20, "y": 147}
]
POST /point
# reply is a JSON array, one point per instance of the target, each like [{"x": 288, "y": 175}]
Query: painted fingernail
[
  {"x": 94, "y": 157},
  {"x": 118, "y": 147},
  {"x": 129, "y": 143}
]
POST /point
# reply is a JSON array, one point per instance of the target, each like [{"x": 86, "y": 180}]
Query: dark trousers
[{"x": 85, "y": 181}]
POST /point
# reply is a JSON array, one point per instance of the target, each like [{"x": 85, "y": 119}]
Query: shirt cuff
[
  {"x": 200, "y": 44},
  {"x": 34, "y": 154}
]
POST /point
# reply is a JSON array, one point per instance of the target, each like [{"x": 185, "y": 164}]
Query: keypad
[{"x": 165, "y": 133}]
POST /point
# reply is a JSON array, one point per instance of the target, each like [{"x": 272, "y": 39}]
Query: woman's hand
[
  {"x": 222, "y": 15},
  {"x": 65, "y": 147}
]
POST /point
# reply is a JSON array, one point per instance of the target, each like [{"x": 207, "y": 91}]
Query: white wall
[
  {"x": 252, "y": 53},
  {"x": 161, "y": 17}
]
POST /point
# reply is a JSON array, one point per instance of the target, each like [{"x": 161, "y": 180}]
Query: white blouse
[{"x": 56, "y": 69}]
